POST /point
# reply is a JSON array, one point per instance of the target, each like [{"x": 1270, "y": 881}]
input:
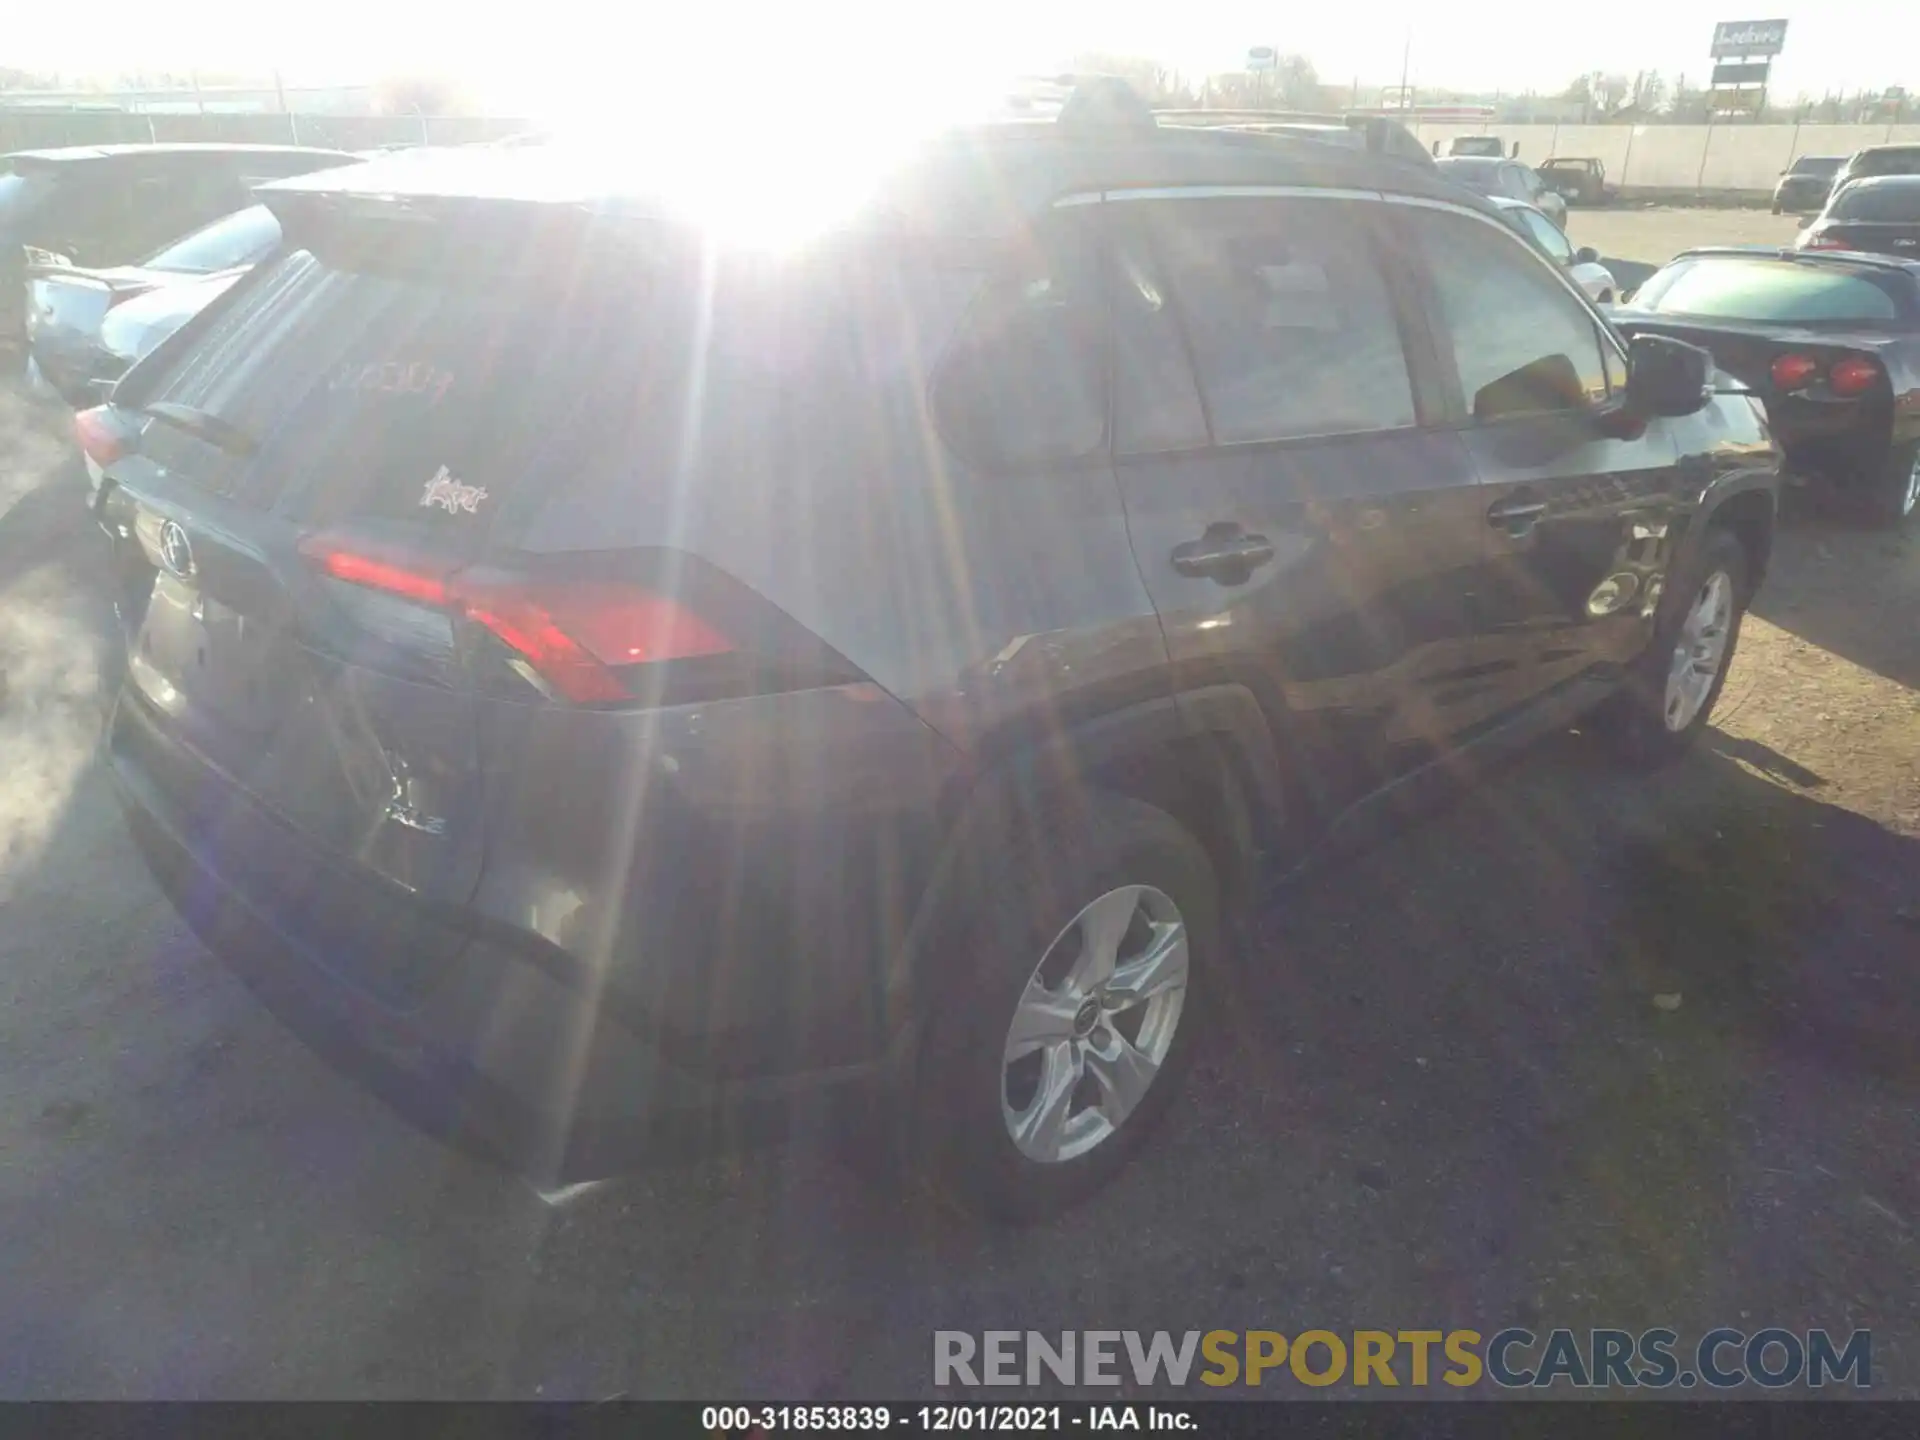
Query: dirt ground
[{"x": 1584, "y": 1049}]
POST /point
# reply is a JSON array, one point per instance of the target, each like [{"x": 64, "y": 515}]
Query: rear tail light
[
  {"x": 1794, "y": 372},
  {"x": 1822, "y": 242},
  {"x": 100, "y": 439},
  {"x": 1854, "y": 375},
  {"x": 575, "y": 634},
  {"x": 571, "y": 638}
]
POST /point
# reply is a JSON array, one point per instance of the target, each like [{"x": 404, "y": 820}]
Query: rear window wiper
[{"x": 203, "y": 426}]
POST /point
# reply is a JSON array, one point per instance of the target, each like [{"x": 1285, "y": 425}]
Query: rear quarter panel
[{"x": 771, "y": 852}]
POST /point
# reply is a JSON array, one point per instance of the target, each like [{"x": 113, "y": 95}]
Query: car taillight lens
[
  {"x": 100, "y": 439},
  {"x": 575, "y": 636},
  {"x": 1794, "y": 372},
  {"x": 1822, "y": 242},
  {"x": 1855, "y": 375}
]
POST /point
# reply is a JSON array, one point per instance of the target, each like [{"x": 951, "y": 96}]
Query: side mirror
[
  {"x": 1586, "y": 255},
  {"x": 1666, "y": 376}
]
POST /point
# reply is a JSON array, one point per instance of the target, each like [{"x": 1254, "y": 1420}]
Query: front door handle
[
  {"x": 1516, "y": 517},
  {"x": 1225, "y": 553}
]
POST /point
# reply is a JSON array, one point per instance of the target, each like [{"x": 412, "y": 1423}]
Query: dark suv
[
  {"x": 102, "y": 205},
  {"x": 616, "y": 689}
]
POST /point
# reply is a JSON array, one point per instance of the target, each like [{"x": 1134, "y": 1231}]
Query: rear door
[
  {"x": 386, "y": 409},
  {"x": 1300, "y": 529},
  {"x": 1578, "y": 507}
]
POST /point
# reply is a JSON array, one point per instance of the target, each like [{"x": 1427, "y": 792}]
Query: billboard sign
[
  {"x": 1749, "y": 37},
  {"x": 1261, "y": 57},
  {"x": 1753, "y": 72}
]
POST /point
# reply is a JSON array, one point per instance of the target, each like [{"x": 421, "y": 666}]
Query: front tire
[
  {"x": 1069, "y": 1019},
  {"x": 1669, "y": 692}
]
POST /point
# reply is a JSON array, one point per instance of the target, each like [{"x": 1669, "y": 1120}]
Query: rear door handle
[{"x": 1226, "y": 553}]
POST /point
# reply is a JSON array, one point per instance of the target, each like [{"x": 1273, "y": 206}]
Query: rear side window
[
  {"x": 1524, "y": 344},
  {"x": 1886, "y": 162},
  {"x": 1024, "y": 384},
  {"x": 1732, "y": 287},
  {"x": 1156, "y": 406},
  {"x": 1287, "y": 313}
]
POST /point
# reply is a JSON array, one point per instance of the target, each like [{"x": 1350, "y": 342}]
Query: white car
[{"x": 1583, "y": 266}]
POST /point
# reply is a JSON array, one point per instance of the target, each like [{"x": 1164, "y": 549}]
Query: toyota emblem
[{"x": 176, "y": 553}]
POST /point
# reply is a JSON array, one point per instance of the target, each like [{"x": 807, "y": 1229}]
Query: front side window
[
  {"x": 1524, "y": 344},
  {"x": 1025, "y": 383},
  {"x": 1287, "y": 312}
]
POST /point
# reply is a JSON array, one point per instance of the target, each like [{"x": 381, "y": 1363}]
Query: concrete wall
[{"x": 1687, "y": 159}]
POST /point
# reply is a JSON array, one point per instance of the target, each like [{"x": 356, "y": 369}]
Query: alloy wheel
[
  {"x": 1094, "y": 1024},
  {"x": 1699, "y": 652}
]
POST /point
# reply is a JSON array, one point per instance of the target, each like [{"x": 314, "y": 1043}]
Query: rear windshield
[
  {"x": 462, "y": 399},
  {"x": 242, "y": 238},
  {"x": 1760, "y": 289},
  {"x": 1887, "y": 162},
  {"x": 1474, "y": 174},
  {"x": 1822, "y": 165},
  {"x": 1878, "y": 204}
]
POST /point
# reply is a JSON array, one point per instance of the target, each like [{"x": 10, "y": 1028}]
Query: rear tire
[
  {"x": 986, "y": 1129},
  {"x": 1890, "y": 498},
  {"x": 1667, "y": 696}
]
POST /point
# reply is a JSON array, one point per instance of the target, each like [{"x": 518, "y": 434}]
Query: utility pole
[{"x": 1406, "y": 62}]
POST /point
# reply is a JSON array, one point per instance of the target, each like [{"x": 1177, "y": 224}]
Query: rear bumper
[{"x": 499, "y": 1055}]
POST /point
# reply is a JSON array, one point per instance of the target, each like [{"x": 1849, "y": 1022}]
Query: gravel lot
[{"x": 1446, "y": 1096}]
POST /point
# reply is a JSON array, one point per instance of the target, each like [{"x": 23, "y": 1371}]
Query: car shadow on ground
[{"x": 1848, "y": 590}]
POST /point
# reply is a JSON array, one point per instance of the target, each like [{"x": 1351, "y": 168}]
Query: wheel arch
[
  {"x": 1750, "y": 516},
  {"x": 1206, "y": 757}
]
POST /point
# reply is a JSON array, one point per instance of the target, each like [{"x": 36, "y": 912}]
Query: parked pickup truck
[{"x": 1579, "y": 179}]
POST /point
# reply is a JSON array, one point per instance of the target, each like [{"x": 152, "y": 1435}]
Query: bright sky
[{"x": 561, "y": 51}]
